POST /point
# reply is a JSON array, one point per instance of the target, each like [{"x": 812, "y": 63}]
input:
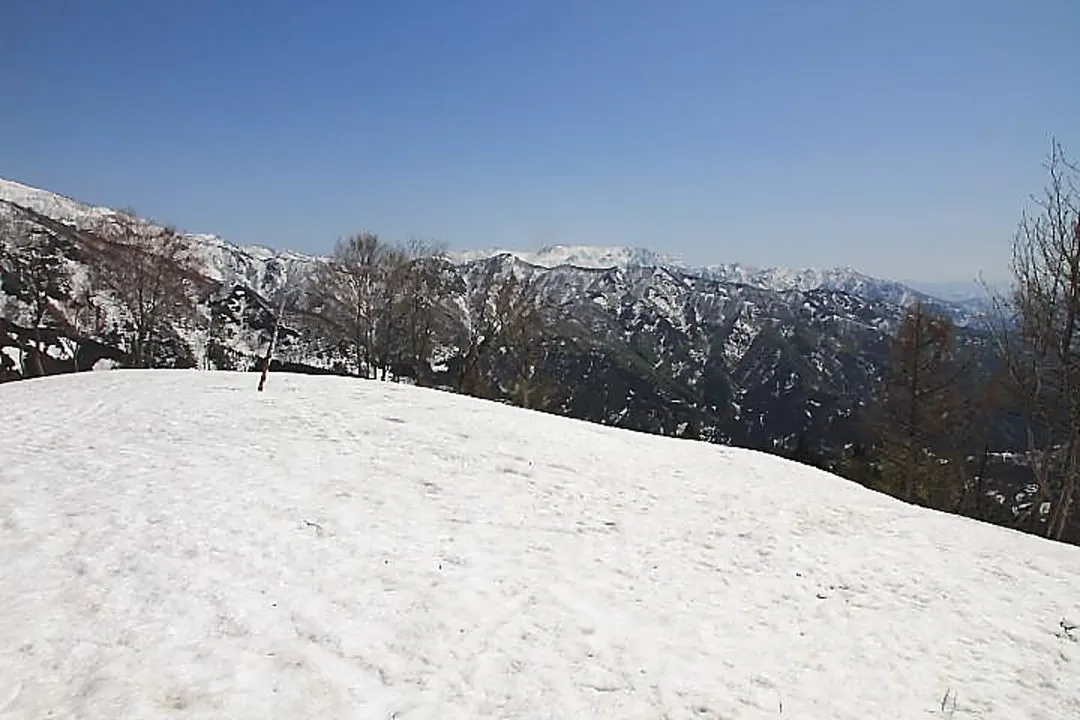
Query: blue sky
[{"x": 902, "y": 138}]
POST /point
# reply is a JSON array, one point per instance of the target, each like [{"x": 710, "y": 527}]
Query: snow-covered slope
[
  {"x": 262, "y": 268},
  {"x": 50, "y": 204},
  {"x": 174, "y": 543}
]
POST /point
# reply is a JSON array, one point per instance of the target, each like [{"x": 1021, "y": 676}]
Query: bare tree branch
[
  {"x": 149, "y": 271},
  {"x": 1043, "y": 356}
]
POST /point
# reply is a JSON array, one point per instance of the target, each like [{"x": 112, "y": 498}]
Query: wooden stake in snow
[{"x": 273, "y": 342}]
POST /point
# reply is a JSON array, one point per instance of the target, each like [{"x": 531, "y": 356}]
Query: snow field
[{"x": 176, "y": 544}]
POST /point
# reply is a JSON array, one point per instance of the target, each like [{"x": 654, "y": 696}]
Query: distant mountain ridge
[
  {"x": 963, "y": 308},
  {"x": 760, "y": 358},
  {"x": 598, "y": 257}
]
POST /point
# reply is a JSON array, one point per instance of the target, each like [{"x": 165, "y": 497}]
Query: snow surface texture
[{"x": 176, "y": 544}]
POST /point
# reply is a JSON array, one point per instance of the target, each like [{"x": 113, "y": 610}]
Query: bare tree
[
  {"x": 425, "y": 287},
  {"x": 926, "y": 417},
  {"x": 88, "y": 316},
  {"x": 148, "y": 269},
  {"x": 481, "y": 329},
  {"x": 347, "y": 295},
  {"x": 525, "y": 316},
  {"x": 387, "y": 321},
  {"x": 1043, "y": 355},
  {"x": 384, "y": 300},
  {"x": 504, "y": 336}
]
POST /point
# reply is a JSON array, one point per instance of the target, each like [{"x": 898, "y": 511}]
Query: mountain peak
[
  {"x": 48, "y": 203},
  {"x": 596, "y": 257}
]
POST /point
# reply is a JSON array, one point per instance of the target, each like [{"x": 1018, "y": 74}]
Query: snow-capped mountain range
[
  {"x": 728, "y": 352},
  {"x": 844, "y": 279},
  {"x": 595, "y": 257}
]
